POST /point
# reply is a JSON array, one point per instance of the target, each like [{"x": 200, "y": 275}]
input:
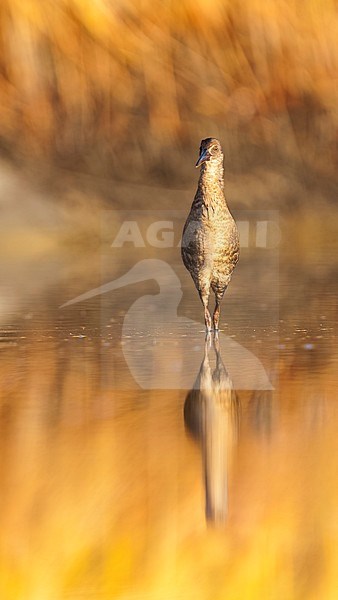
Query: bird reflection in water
[{"x": 212, "y": 415}]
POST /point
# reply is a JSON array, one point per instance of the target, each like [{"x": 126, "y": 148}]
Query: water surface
[{"x": 139, "y": 460}]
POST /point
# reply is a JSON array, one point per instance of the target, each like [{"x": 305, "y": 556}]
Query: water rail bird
[{"x": 210, "y": 242}]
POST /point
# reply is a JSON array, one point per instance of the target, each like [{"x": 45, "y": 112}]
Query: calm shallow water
[{"x": 141, "y": 461}]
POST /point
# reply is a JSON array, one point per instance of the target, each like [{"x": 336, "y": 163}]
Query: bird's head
[{"x": 210, "y": 151}]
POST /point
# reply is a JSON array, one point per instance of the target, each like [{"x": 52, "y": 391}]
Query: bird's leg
[
  {"x": 204, "y": 295},
  {"x": 208, "y": 338},
  {"x": 217, "y": 311},
  {"x": 215, "y": 316},
  {"x": 207, "y": 318}
]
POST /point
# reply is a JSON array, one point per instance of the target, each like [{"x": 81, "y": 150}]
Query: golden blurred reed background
[
  {"x": 115, "y": 85},
  {"x": 92, "y": 92},
  {"x": 118, "y": 90},
  {"x": 99, "y": 98}
]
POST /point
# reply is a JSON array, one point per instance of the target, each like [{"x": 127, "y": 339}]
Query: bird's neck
[{"x": 211, "y": 181}]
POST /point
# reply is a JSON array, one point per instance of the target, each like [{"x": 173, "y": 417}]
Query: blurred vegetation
[
  {"x": 95, "y": 97},
  {"x": 128, "y": 88},
  {"x": 103, "y": 103}
]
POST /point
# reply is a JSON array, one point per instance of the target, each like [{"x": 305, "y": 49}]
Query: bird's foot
[{"x": 208, "y": 338}]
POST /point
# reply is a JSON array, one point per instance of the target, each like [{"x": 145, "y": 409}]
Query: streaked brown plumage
[{"x": 210, "y": 243}]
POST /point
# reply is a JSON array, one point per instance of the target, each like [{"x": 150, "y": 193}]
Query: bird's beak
[{"x": 202, "y": 157}]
